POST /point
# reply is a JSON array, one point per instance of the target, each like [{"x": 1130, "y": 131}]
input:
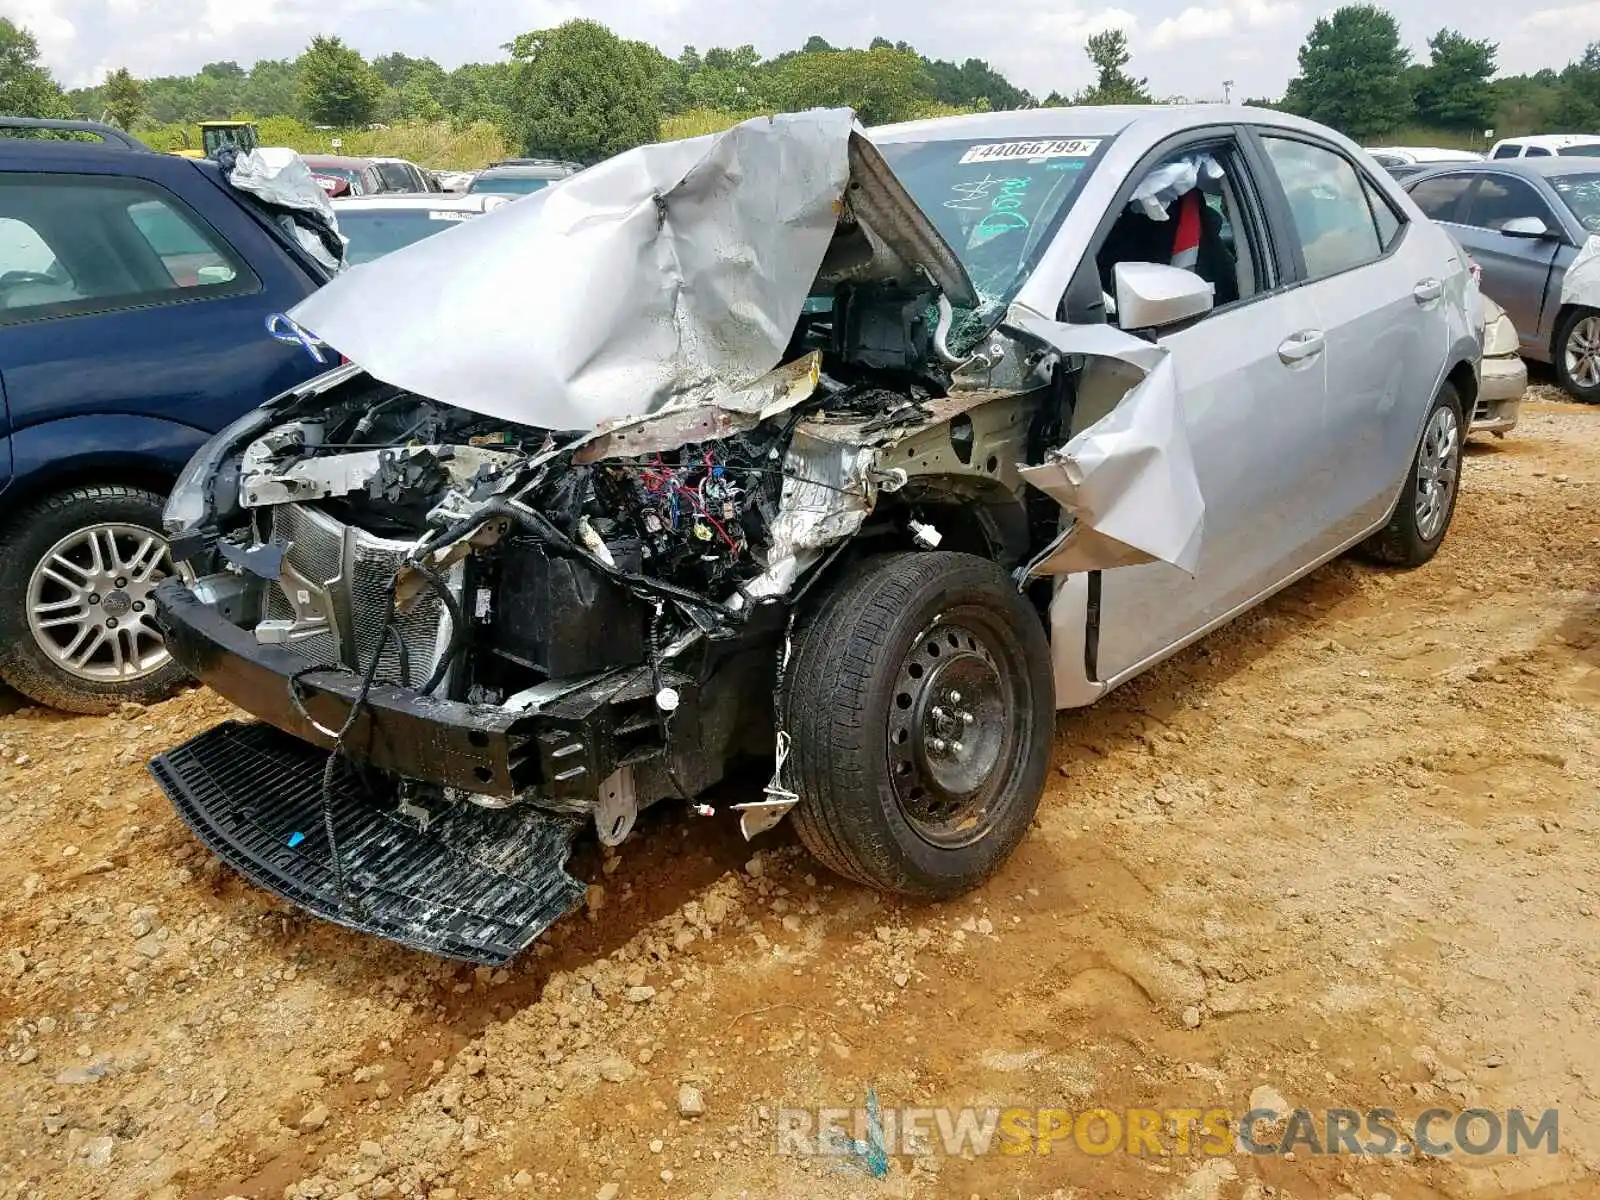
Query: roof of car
[
  {"x": 1156, "y": 120},
  {"x": 529, "y": 170},
  {"x": 335, "y": 160},
  {"x": 422, "y": 201},
  {"x": 1540, "y": 167}
]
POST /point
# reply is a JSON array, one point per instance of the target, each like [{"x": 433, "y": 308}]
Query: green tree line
[{"x": 580, "y": 91}]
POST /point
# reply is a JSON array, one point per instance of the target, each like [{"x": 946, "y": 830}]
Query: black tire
[
  {"x": 1565, "y": 329},
  {"x": 24, "y": 543},
  {"x": 882, "y": 658},
  {"x": 1411, "y": 539}
]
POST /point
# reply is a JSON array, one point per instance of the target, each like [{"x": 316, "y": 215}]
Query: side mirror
[
  {"x": 1527, "y": 227},
  {"x": 1150, "y": 295}
]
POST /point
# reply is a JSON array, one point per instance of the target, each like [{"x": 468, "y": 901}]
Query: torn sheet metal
[
  {"x": 672, "y": 273},
  {"x": 1128, "y": 480},
  {"x": 1581, "y": 284},
  {"x": 683, "y": 424},
  {"x": 827, "y": 495},
  {"x": 279, "y": 178}
]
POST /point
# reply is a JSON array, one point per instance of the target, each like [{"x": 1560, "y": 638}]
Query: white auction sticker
[{"x": 1032, "y": 151}]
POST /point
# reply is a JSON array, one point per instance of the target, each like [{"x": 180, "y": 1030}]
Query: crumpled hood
[{"x": 672, "y": 272}]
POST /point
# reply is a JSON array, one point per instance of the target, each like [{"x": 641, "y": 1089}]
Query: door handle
[
  {"x": 1427, "y": 291},
  {"x": 1301, "y": 347}
]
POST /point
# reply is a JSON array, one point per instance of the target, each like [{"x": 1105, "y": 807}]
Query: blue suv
[{"x": 134, "y": 292}]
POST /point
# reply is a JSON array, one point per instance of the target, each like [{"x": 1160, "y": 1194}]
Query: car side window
[
  {"x": 1333, "y": 220},
  {"x": 1193, "y": 209},
  {"x": 1501, "y": 198},
  {"x": 24, "y": 252},
  {"x": 1440, "y": 196},
  {"x": 1506, "y": 151},
  {"x": 190, "y": 258},
  {"x": 395, "y": 177},
  {"x": 1536, "y": 152},
  {"x": 76, "y": 244}
]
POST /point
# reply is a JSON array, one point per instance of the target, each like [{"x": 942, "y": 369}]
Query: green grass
[
  {"x": 1417, "y": 135},
  {"x": 436, "y": 144}
]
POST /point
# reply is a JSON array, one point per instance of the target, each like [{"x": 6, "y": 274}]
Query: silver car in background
[
  {"x": 1526, "y": 221},
  {"x": 874, "y": 449}
]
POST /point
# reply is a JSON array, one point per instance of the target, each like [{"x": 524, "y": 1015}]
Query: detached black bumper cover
[
  {"x": 477, "y": 885},
  {"x": 467, "y": 746}
]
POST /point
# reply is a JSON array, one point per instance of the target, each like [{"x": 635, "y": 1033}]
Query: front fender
[{"x": 109, "y": 442}]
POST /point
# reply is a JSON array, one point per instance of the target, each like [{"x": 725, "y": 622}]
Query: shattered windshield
[
  {"x": 1581, "y": 193},
  {"x": 996, "y": 202}
]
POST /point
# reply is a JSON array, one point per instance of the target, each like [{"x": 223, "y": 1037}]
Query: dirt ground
[{"x": 1344, "y": 851}]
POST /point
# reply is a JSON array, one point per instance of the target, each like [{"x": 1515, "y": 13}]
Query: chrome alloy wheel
[
  {"x": 89, "y": 602},
  {"x": 1438, "y": 464},
  {"x": 1582, "y": 352}
]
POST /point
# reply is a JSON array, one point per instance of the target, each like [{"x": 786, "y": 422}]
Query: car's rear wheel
[
  {"x": 921, "y": 708},
  {"x": 77, "y": 621},
  {"x": 1576, "y": 354},
  {"x": 1427, "y": 502}
]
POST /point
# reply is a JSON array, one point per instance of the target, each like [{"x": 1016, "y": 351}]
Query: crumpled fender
[
  {"x": 1128, "y": 481},
  {"x": 1581, "y": 285}
]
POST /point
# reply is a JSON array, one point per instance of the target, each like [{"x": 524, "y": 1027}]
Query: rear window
[
  {"x": 1581, "y": 150},
  {"x": 997, "y": 202},
  {"x": 509, "y": 185},
  {"x": 376, "y": 232}
]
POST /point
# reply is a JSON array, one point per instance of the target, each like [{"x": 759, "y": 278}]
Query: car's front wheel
[
  {"x": 77, "y": 621},
  {"x": 1427, "y": 502},
  {"x": 1576, "y": 354},
  {"x": 920, "y": 705}
]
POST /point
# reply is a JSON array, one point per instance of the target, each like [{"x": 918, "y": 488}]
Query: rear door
[
  {"x": 141, "y": 316},
  {"x": 1381, "y": 289}
]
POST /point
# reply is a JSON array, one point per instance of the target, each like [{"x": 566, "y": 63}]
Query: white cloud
[
  {"x": 54, "y": 32},
  {"x": 1195, "y": 24},
  {"x": 1572, "y": 20}
]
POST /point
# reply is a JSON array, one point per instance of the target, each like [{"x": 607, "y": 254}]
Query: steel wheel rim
[
  {"x": 1437, "y": 467},
  {"x": 952, "y": 727},
  {"x": 89, "y": 603},
  {"x": 1582, "y": 352}
]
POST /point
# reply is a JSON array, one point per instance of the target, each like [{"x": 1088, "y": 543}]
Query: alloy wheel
[
  {"x": 1438, "y": 463},
  {"x": 1582, "y": 352},
  {"x": 89, "y": 603}
]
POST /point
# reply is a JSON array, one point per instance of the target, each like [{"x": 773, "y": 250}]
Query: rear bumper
[
  {"x": 467, "y": 746},
  {"x": 1502, "y": 382}
]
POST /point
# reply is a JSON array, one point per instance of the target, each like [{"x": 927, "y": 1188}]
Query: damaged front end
[{"x": 481, "y": 604}]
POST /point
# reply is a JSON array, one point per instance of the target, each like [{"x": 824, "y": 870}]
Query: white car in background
[
  {"x": 1413, "y": 156},
  {"x": 1543, "y": 145},
  {"x": 379, "y": 225}
]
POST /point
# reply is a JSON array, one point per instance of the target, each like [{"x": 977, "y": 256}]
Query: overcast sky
[{"x": 1185, "y": 48}]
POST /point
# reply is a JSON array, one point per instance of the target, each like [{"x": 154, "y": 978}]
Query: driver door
[{"x": 1252, "y": 386}]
